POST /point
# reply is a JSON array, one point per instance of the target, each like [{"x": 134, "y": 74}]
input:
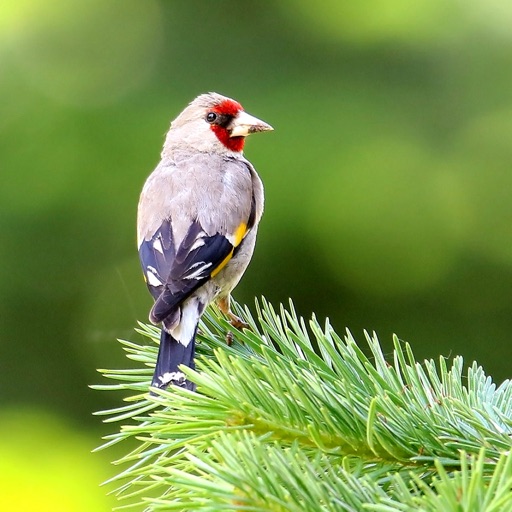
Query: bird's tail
[{"x": 171, "y": 355}]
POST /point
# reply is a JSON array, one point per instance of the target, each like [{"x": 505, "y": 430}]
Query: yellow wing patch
[
  {"x": 223, "y": 263},
  {"x": 239, "y": 234},
  {"x": 235, "y": 239}
]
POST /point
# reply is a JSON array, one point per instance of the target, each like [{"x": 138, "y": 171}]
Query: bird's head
[{"x": 213, "y": 123}]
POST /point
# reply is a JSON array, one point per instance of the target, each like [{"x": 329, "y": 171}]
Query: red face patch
[{"x": 228, "y": 108}]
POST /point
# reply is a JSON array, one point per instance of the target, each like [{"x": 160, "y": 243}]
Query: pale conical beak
[{"x": 245, "y": 124}]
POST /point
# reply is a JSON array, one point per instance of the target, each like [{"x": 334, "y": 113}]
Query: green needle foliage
[{"x": 296, "y": 419}]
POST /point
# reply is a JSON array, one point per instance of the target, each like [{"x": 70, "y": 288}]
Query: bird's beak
[{"x": 244, "y": 124}]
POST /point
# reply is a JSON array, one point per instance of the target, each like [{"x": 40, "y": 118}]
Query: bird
[{"x": 197, "y": 220}]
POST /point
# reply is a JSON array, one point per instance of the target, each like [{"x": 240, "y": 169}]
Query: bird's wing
[{"x": 173, "y": 274}]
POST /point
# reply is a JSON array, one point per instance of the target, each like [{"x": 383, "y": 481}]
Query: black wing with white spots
[
  {"x": 156, "y": 257},
  {"x": 172, "y": 275}
]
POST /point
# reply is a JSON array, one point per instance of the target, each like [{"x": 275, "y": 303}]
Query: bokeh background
[{"x": 388, "y": 186}]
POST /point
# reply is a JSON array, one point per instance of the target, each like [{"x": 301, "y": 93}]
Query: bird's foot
[
  {"x": 237, "y": 322},
  {"x": 234, "y": 320}
]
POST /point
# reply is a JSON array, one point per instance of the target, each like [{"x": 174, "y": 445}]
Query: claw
[{"x": 237, "y": 322}]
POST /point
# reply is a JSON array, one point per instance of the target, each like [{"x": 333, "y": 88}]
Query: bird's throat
[{"x": 231, "y": 143}]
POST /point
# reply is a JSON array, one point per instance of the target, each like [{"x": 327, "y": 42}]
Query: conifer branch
[{"x": 290, "y": 418}]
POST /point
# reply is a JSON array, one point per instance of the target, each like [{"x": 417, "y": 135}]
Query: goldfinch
[{"x": 197, "y": 220}]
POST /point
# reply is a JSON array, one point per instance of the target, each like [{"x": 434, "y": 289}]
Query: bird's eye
[{"x": 211, "y": 117}]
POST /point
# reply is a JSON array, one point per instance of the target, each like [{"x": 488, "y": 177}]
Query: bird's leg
[
  {"x": 224, "y": 306},
  {"x": 235, "y": 321}
]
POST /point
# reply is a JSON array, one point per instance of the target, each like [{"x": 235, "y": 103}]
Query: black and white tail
[{"x": 171, "y": 355}]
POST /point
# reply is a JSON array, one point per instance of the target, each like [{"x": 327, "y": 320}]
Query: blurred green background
[{"x": 388, "y": 189}]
